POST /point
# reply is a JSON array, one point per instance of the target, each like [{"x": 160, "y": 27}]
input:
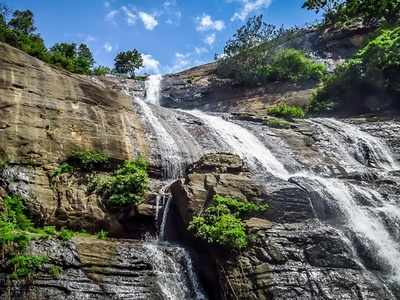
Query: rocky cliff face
[
  {"x": 332, "y": 186},
  {"x": 200, "y": 88}
]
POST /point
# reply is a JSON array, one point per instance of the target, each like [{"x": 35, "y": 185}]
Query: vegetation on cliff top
[
  {"x": 20, "y": 31},
  {"x": 253, "y": 56},
  {"x": 221, "y": 223},
  {"x": 369, "y": 79}
]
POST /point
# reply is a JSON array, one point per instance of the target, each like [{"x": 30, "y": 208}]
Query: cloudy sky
[{"x": 172, "y": 34}]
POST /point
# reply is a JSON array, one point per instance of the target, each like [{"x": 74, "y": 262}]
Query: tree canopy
[{"x": 128, "y": 61}]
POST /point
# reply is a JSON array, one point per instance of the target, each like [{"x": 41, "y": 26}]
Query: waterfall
[
  {"x": 174, "y": 269},
  {"x": 243, "y": 143},
  {"x": 363, "y": 223},
  {"x": 355, "y": 147},
  {"x": 153, "y": 89}
]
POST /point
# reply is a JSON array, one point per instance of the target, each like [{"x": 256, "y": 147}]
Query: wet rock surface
[
  {"x": 91, "y": 269},
  {"x": 292, "y": 254}
]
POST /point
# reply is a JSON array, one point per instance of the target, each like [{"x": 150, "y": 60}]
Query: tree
[
  {"x": 101, "y": 70},
  {"x": 368, "y": 10},
  {"x": 66, "y": 49},
  {"x": 84, "y": 60},
  {"x": 4, "y": 11},
  {"x": 127, "y": 62},
  {"x": 254, "y": 32},
  {"x": 23, "y": 22}
]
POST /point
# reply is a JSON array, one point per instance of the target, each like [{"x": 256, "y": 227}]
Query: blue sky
[{"x": 172, "y": 34}]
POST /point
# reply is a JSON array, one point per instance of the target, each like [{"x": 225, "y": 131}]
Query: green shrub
[
  {"x": 283, "y": 110},
  {"x": 101, "y": 71},
  {"x": 226, "y": 230},
  {"x": 66, "y": 234},
  {"x": 221, "y": 223},
  {"x": 89, "y": 160},
  {"x": 291, "y": 65},
  {"x": 24, "y": 266},
  {"x": 62, "y": 169},
  {"x": 55, "y": 272},
  {"x": 102, "y": 235},
  {"x": 126, "y": 186},
  {"x": 374, "y": 72},
  {"x": 240, "y": 207}
]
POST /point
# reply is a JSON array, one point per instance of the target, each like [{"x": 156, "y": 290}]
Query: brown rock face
[
  {"x": 222, "y": 174},
  {"x": 45, "y": 114}
]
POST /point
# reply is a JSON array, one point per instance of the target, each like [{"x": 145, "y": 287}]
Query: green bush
[
  {"x": 24, "y": 266},
  {"x": 221, "y": 223},
  {"x": 89, "y": 160},
  {"x": 101, "y": 71},
  {"x": 66, "y": 234},
  {"x": 126, "y": 186},
  {"x": 55, "y": 271},
  {"x": 374, "y": 72},
  {"x": 286, "y": 111},
  {"x": 291, "y": 65},
  {"x": 62, "y": 169},
  {"x": 102, "y": 235}
]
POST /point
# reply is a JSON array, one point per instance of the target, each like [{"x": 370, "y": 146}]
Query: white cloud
[
  {"x": 207, "y": 23},
  {"x": 200, "y": 50},
  {"x": 149, "y": 21},
  {"x": 110, "y": 16},
  {"x": 172, "y": 13},
  {"x": 248, "y": 7},
  {"x": 183, "y": 61},
  {"x": 130, "y": 16},
  {"x": 107, "y": 4},
  {"x": 210, "y": 39},
  {"x": 107, "y": 47},
  {"x": 150, "y": 65}
]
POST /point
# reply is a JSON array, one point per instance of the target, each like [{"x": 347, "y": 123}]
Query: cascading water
[
  {"x": 244, "y": 143},
  {"x": 363, "y": 223},
  {"x": 153, "y": 88},
  {"x": 354, "y": 147}
]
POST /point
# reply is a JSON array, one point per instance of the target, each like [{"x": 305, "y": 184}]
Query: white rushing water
[
  {"x": 153, "y": 89},
  {"x": 243, "y": 143},
  {"x": 363, "y": 221},
  {"x": 349, "y": 144},
  {"x": 174, "y": 270}
]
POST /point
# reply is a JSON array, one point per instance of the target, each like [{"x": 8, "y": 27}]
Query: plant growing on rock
[
  {"x": 221, "y": 223},
  {"x": 89, "y": 160},
  {"x": 283, "y": 110},
  {"x": 126, "y": 186},
  {"x": 24, "y": 266},
  {"x": 373, "y": 73}
]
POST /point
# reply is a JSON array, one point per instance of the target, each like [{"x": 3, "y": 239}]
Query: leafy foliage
[
  {"x": 127, "y": 62},
  {"x": 89, "y": 160},
  {"x": 20, "y": 32},
  {"x": 62, "y": 169},
  {"x": 367, "y": 10},
  {"x": 126, "y": 186},
  {"x": 291, "y": 65},
  {"x": 101, "y": 71},
  {"x": 221, "y": 223},
  {"x": 102, "y": 235},
  {"x": 283, "y": 110},
  {"x": 55, "y": 271},
  {"x": 255, "y": 56},
  {"x": 25, "y": 265},
  {"x": 372, "y": 73}
]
